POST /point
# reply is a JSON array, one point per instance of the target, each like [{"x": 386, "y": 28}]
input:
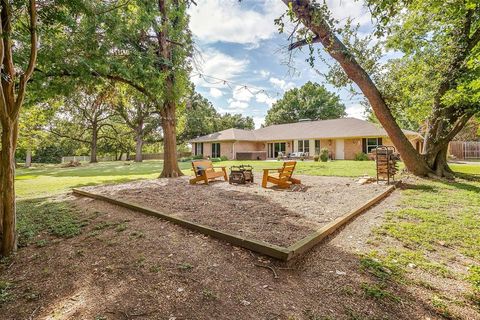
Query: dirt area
[
  {"x": 152, "y": 269},
  {"x": 276, "y": 216}
]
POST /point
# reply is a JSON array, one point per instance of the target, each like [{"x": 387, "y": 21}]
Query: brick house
[{"x": 343, "y": 137}]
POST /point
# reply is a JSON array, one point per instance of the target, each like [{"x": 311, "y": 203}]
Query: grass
[
  {"x": 5, "y": 294},
  {"x": 43, "y": 216},
  {"x": 437, "y": 222},
  {"x": 50, "y": 179},
  {"x": 53, "y": 179}
]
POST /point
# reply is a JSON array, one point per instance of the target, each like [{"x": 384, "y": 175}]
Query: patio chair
[
  {"x": 205, "y": 171},
  {"x": 282, "y": 177}
]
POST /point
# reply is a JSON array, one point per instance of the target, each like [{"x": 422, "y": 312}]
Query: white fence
[{"x": 86, "y": 158}]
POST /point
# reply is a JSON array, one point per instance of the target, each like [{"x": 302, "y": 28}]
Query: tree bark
[
  {"x": 7, "y": 168},
  {"x": 93, "y": 145},
  {"x": 139, "y": 142},
  {"x": 12, "y": 94},
  {"x": 170, "y": 163},
  {"x": 168, "y": 111},
  {"x": 28, "y": 158}
]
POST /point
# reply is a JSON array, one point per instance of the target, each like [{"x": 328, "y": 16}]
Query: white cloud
[
  {"x": 353, "y": 9},
  {"x": 264, "y": 98},
  {"x": 214, "y": 92},
  {"x": 282, "y": 84},
  {"x": 264, "y": 73},
  {"x": 237, "y": 106},
  {"x": 356, "y": 111},
  {"x": 215, "y": 63},
  {"x": 233, "y": 21},
  {"x": 258, "y": 121},
  {"x": 241, "y": 93}
]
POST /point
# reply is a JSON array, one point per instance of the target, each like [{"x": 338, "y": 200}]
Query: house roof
[
  {"x": 320, "y": 129},
  {"x": 231, "y": 134}
]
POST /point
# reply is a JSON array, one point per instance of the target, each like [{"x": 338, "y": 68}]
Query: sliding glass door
[{"x": 275, "y": 148}]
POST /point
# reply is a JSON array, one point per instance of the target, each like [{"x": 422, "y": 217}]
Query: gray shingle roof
[{"x": 321, "y": 129}]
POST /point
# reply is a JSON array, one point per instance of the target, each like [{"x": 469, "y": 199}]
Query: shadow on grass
[
  {"x": 463, "y": 186},
  {"x": 468, "y": 177},
  {"x": 420, "y": 187}
]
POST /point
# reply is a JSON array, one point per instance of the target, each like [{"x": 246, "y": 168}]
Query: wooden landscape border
[{"x": 262, "y": 247}]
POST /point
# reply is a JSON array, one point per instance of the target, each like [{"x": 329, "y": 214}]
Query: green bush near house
[
  {"x": 361, "y": 157},
  {"x": 324, "y": 154},
  {"x": 316, "y": 158},
  {"x": 223, "y": 158}
]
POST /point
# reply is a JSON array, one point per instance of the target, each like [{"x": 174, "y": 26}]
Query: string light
[
  {"x": 239, "y": 86},
  {"x": 251, "y": 89}
]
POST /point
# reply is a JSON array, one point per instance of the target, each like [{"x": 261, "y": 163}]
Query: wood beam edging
[{"x": 262, "y": 247}]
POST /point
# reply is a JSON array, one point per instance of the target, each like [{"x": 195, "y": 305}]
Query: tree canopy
[
  {"x": 200, "y": 118},
  {"x": 311, "y": 101}
]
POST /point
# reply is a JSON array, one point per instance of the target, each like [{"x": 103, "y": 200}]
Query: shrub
[
  {"x": 361, "y": 156},
  {"x": 316, "y": 157},
  {"x": 324, "y": 154},
  {"x": 223, "y": 158},
  {"x": 197, "y": 157},
  {"x": 215, "y": 159}
]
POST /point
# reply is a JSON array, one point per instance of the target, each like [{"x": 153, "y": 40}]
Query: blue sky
[{"x": 239, "y": 42}]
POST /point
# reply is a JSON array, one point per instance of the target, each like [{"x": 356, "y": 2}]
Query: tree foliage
[
  {"x": 200, "y": 118},
  {"x": 311, "y": 101}
]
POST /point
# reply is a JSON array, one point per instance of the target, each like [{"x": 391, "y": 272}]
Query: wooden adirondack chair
[
  {"x": 283, "y": 177},
  {"x": 205, "y": 171}
]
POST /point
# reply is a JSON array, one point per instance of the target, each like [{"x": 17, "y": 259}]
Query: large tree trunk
[
  {"x": 170, "y": 164},
  {"x": 93, "y": 146},
  {"x": 12, "y": 96},
  {"x": 7, "y": 169},
  {"x": 168, "y": 111},
  {"x": 28, "y": 158},
  {"x": 139, "y": 143}
]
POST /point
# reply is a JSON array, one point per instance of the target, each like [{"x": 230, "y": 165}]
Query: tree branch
[
  {"x": 303, "y": 42},
  {"x": 32, "y": 59},
  {"x": 61, "y": 135},
  {"x": 474, "y": 39}
]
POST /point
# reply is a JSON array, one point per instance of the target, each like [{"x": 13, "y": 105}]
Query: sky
[{"x": 239, "y": 42}]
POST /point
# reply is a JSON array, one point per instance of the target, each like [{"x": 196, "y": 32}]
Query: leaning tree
[
  {"x": 13, "y": 84},
  {"x": 450, "y": 31}
]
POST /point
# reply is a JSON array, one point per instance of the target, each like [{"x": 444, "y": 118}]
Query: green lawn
[
  {"x": 436, "y": 230},
  {"x": 51, "y": 179}
]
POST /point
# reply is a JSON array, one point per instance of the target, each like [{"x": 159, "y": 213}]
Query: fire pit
[{"x": 241, "y": 174}]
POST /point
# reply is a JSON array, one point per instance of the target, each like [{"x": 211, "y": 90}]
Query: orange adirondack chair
[
  {"x": 205, "y": 171},
  {"x": 283, "y": 177}
]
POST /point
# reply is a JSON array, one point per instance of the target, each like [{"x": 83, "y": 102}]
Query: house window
[
  {"x": 198, "y": 149},
  {"x": 304, "y": 146},
  {"x": 368, "y": 144},
  {"x": 317, "y": 146},
  {"x": 215, "y": 150}
]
